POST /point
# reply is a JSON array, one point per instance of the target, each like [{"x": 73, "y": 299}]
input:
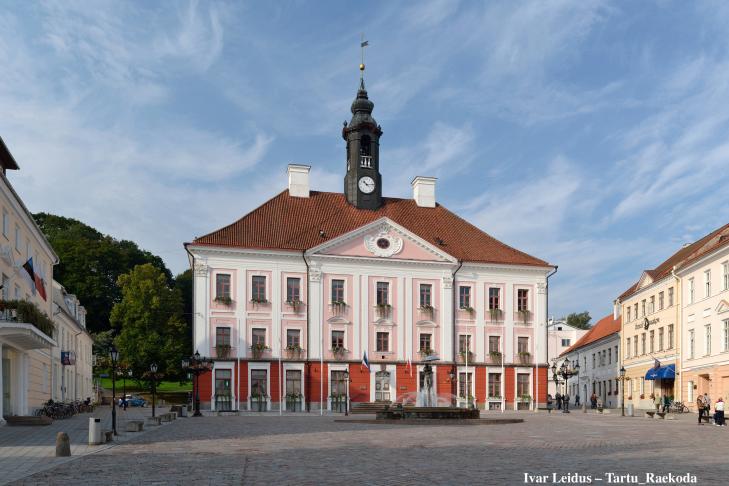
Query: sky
[{"x": 590, "y": 134}]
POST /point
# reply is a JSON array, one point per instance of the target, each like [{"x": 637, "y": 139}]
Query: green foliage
[
  {"x": 149, "y": 322},
  {"x": 183, "y": 283},
  {"x": 580, "y": 321},
  {"x": 91, "y": 263},
  {"x": 29, "y": 313}
]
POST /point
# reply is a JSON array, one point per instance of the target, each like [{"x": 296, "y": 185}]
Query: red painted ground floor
[{"x": 301, "y": 386}]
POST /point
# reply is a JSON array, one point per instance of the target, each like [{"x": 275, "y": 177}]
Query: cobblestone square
[{"x": 309, "y": 449}]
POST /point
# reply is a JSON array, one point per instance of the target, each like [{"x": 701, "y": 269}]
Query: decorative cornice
[{"x": 201, "y": 270}]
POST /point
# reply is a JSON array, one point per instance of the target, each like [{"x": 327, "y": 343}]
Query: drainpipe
[
  {"x": 308, "y": 363},
  {"x": 678, "y": 334},
  {"x": 454, "y": 390}
]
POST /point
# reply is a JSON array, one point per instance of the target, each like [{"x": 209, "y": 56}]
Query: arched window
[{"x": 365, "y": 155}]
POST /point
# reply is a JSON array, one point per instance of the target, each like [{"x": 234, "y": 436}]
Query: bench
[
  {"x": 135, "y": 426},
  {"x": 650, "y": 414},
  {"x": 166, "y": 417},
  {"x": 154, "y": 420},
  {"x": 108, "y": 435}
]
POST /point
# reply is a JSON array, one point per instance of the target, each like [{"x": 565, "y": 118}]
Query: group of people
[
  {"x": 662, "y": 402},
  {"x": 703, "y": 404}
]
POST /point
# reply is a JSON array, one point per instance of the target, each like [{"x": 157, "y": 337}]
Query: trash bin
[
  {"x": 96, "y": 432},
  {"x": 629, "y": 411},
  {"x": 183, "y": 411}
]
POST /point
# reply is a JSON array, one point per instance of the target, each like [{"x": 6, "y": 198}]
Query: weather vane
[{"x": 363, "y": 43}]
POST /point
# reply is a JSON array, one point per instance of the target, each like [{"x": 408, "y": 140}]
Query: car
[{"x": 134, "y": 401}]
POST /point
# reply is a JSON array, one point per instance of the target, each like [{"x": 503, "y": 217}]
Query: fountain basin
[{"x": 399, "y": 412}]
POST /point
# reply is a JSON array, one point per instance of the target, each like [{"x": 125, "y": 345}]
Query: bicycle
[{"x": 678, "y": 407}]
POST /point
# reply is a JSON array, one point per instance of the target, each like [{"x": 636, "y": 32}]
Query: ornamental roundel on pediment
[{"x": 383, "y": 244}]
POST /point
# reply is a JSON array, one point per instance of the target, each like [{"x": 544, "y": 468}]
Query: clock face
[{"x": 366, "y": 184}]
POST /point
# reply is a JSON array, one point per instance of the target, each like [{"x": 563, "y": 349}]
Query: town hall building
[{"x": 292, "y": 298}]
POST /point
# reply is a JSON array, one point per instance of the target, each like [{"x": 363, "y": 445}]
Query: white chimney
[
  {"x": 299, "y": 180},
  {"x": 424, "y": 191},
  {"x": 616, "y": 309}
]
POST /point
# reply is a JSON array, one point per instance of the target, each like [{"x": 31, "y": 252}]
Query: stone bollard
[{"x": 63, "y": 445}]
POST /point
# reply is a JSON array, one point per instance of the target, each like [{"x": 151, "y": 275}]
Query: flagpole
[
  {"x": 280, "y": 384},
  {"x": 503, "y": 369},
  {"x": 321, "y": 361}
]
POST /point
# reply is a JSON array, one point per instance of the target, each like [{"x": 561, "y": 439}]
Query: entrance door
[
  {"x": 339, "y": 391},
  {"x": 382, "y": 386},
  {"x": 7, "y": 386},
  {"x": 223, "y": 396},
  {"x": 259, "y": 390},
  {"x": 293, "y": 391}
]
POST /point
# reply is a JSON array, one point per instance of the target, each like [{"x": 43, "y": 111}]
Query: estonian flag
[
  {"x": 365, "y": 362},
  {"x": 28, "y": 266}
]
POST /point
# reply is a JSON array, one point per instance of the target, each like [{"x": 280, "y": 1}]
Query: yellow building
[
  {"x": 650, "y": 335},
  {"x": 26, "y": 335}
]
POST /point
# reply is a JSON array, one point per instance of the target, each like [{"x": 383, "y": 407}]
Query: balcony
[
  {"x": 339, "y": 353},
  {"x": 339, "y": 308},
  {"x": 496, "y": 316},
  {"x": 295, "y": 306},
  {"x": 426, "y": 313},
  {"x": 466, "y": 357},
  {"x": 495, "y": 358},
  {"x": 365, "y": 161},
  {"x": 223, "y": 351},
  {"x": 524, "y": 358},
  {"x": 293, "y": 352},
  {"x": 523, "y": 318},
  {"x": 383, "y": 311},
  {"x": 25, "y": 326}
]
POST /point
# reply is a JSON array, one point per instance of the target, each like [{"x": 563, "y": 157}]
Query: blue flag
[{"x": 365, "y": 361}]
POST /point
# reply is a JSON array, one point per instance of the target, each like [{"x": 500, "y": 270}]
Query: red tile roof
[
  {"x": 294, "y": 223},
  {"x": 686, "y": 255},
  {"x": 603, "y": 328}
]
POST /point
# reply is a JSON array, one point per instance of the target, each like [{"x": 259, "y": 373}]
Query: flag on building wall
[
  {"x": 410, "y": 365},
  {"x": 30, "y": 274},
  {"x": 365, "y": 362},
  {"x": 40, "y": 285}
]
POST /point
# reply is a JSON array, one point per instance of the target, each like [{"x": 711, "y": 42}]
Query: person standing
[
  {"x": 577, "y": 400},
  {"x": 558, "y": 398},
  {"x": 566, "y": 402},
  {"x": 700, "y": 407},
  {"x": 719, "y": 413},
  {"x": 657, "y": 402},
  {"x": 666, "y": 403}
]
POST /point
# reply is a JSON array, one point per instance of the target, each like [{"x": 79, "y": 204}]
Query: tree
[
  {"x": 91, "y": 263},
  {"x": 580, "y": 321},
  {"x": 183, "y": 282},
  {"x": 149, "y": 322}
]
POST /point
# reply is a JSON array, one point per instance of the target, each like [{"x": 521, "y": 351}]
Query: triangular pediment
[
  {"x": 645, "y": 279},
  {"x": 722, "y": 306},
  {"x": 382, "y": 239}
]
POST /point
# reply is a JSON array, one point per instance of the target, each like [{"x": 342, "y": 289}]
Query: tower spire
[{"x": 362, "y": 44}]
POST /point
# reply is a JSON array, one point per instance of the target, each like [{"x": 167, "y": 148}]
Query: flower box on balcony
[
  {"x": 425, "y": 352},
  {"x": 27, "y": 312},
  {"x": 525, "y": 357},
  {"x": 467, "y": 308},
  {"x": 525, "y": 315},
  {"x": 383, "y": 310},
  {"x": 225, "y": 300},
  {"x": 495, "y": 357},
  {"x": 496, "y": 314},
  {"x": 339, "y": 352},
  {"x": 466, "y": 356},
  {"x": 295, "y": 305},
  {"x": 222, "y": 351},
  {"x": 427, "y": 310},
  {"x": 258, "y": 350},
  {"x": 293, "y": 351}
]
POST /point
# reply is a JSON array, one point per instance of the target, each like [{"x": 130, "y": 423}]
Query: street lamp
[
  {"x": 566, "y": 373},
  {"x": 346, "y": 393},
  {"x": 454, "y": 386},
  {"x": 622, "y": 386},
  {"x": 153, "y": 375},
  {"x": 114, "y": 358},
  {"x": 197, "y": 365}
]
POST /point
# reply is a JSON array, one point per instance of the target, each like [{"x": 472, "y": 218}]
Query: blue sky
[{"x": 591, "y": 134}]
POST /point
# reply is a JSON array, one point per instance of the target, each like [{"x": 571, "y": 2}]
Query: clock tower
[{"x": 363, "y": 182}]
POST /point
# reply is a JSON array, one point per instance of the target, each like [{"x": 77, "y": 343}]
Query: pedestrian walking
[
  {"x": 719, "y": 413},
  {"x": 657, "y": 402},
  {"x": 549, "y": 402},
  {"x": 593, "y": 401},
  {"x": 558, "y": 398},
  {"x": 566, "y": 402},
  {"x": 666, "y": 403},
  {"x": 700, "y": 407},
  {"x": 577, "y": 400}
]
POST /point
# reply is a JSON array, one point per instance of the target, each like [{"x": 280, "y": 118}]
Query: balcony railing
[
  {"x": 523, "y": 318},
  {"x": 365, "y": 161},
  {"x": 383, "y": 311},
  {"x": 27, "y": 312},
  {"x": 223, "y": 351},
  {"x": 496, "y": 315},
  {"x": 494, "y": 358}
]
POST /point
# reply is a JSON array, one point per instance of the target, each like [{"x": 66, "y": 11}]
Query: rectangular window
[
  {"x": 636, "y": 310},
  {"x": 17, "y": 238},
  {"x": 293, "y": 338},
  {"x": 652, "y": 339},
  {"x": 660, "y": 339},
  {"x": 522, "y": 384},
  {"x": 426, "y": 342},
  {"x": 258, "y": 288},
  {"x": 691, "y": 291},
  {"x": 464, "y": 343},
  {"x": 628, "y": 314},
  {"x": 426, "y": 295},
  {"x": 383, "y": 342},
  {"x": 464, "y": 297},
  {"x": 522, "y": 344},
  {"x": 222, "y": 286},
  {"x": 494, "y": 298},
  {"x": 670, "y": 297},
  {"x": 642, "y": 308},
  {"x": 726, "y": 335},
  {"x": 6, "y": 223},
  {"x": 337, "y": 291},
  {"x": 660, "y": 300},
  {"x": 28, "y": 250},
  {"x": 258, "y": 336},
  {"x": 494, "y": 385},
  {"x": 566, "y": 342},
  {"x": 653, "y": 304},
  {"x": 522, "y": 300},
  {"x": 642, "y": 343},
  {"x": 223, "y": 398},
  {"x": 222, "y": 336},
  {"x": 627, "y": 348},
  {"x": 6, "y": 286},
  {"x": 293, "y": 382},
  {"x": 293, "y": 289},
  {"x": 495, "y": 344},
  {"x": 707, "y": 338},
  {"x": 690, "y": 392},
  {"x": 610, "y": 356},
  {"x": 670, "y": 336},
  {"x": 337, "y": 339},
  {"x": 725, "y": 277},
  {"x": 465, "y": 380},
  {"x": 594, "y": 362},
  {"x": 692, "y": 344},
  {"x": 707, "y": 283},
  {"x": 383, "y": 293},
  {"x": 259, "y": 383}
]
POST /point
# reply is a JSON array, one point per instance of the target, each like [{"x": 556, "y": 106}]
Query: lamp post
[
  {"x": 197, "y": 365},
  {"x": 153, "y": 375},
  {"x": 622, "y": 386},
  {"x": 114, "y": 358},
  {"x": 454, "y": 386},
  {"x": 566, "y": 373},
  {"x": 346, "y": 393}
]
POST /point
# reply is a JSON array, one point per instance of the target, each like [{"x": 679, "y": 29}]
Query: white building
[
  {"x": 598, "y": 354},
  {"x": 560, "y": 337}
]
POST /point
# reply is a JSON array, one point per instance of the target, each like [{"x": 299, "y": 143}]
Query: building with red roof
[{"x": 315, "y": 300}]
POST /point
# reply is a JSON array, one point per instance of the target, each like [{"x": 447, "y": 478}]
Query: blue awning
[{"x": 662, "y": 373}]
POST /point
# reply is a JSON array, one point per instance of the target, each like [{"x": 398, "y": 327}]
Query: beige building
[
  {"x": 649, "y": 349},
  {"x": 704, "y": 278},
  {"x": 72, "y": 358},
  {"x": 26, "y": 331}
]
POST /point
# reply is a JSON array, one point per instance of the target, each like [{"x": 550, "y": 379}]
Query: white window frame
[
  {"x": 707, "y": 339},
  {"x": 726, "y": 334},
  {"x": 725, "y": 265},
  {"x": 6, "y": 223},
  {"x": 692, "y": 344},
  {"x": 707, "y": 283},
  {"x": 691, "y": 289}
]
